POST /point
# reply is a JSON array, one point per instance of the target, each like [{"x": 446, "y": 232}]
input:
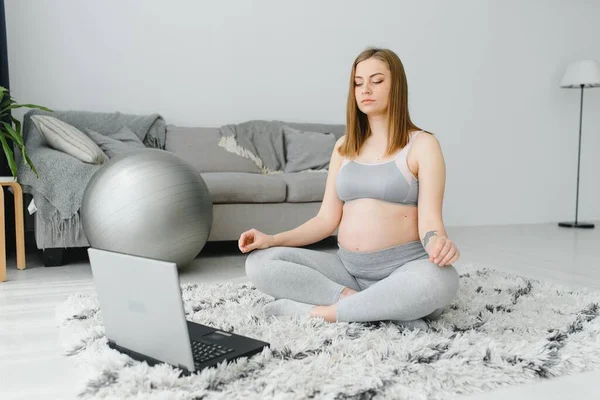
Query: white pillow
[{"x": 68, "y": 139}]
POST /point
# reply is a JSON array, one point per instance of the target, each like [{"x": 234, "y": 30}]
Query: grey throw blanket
[
  {"x": 262, "y": 141},
  {"x": 58, "y": 192}
]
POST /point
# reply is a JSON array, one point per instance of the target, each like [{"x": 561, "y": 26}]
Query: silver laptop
[{"x": 143, "y": 315}]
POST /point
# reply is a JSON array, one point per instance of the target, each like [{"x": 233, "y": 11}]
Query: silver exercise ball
[{"x": 148, "y": 203}]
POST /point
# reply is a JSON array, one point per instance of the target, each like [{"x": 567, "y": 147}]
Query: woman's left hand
[{"x": 442, "y": 251}]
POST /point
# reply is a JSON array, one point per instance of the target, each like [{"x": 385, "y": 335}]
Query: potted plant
[{"x": 8, "y": 132}]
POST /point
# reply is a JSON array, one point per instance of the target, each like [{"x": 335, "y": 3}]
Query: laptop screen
[{"x": 141, "y": 305}]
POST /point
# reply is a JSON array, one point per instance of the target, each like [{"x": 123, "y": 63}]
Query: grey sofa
[{"x": 242, "y": 196}]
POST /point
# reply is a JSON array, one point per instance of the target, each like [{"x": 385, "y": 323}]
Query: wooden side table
[{"x": 19, "y": 228}]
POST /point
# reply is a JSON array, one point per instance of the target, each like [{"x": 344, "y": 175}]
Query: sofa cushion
[
  {"x": 244, "y": 187},
  {"x": 305, "y": 186},
  {"x": 68, "y": 139},
  {"x": 200, "y": 147},
  {"x": 124, "y": 141},
  {"x": 338, "y": 130},
  {"x": 307, "y": 150}
]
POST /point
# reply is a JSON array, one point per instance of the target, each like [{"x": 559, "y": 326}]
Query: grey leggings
[{"x": 397, "y": 283}]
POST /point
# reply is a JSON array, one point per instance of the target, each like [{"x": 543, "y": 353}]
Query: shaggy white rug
[{"x": 502, "y": 329}]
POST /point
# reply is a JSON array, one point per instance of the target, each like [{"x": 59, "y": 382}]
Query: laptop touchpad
[{"x": 218, "y": 335}]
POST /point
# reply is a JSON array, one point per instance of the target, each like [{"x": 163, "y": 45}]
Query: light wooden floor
[{"x": 31, "y": 366}]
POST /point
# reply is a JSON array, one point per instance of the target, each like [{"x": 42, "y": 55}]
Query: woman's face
[{"x": 372, "y": 86}]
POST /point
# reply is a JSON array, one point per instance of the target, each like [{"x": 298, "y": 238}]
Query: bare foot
[
  {"x": 347, "y": 292},
  {"x": 328, "y": 312},
  {"x": 325, "y": 312}
]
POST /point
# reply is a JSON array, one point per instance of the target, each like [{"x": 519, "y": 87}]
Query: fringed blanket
[
  {"x": 58, "y": 192},
  {"x": 260, "y": 141}
]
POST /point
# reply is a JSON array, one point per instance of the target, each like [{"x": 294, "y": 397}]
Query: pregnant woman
[{"x": 384, "y": 194}]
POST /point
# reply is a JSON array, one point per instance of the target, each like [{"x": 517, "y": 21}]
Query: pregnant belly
[{"x": 371, "y": 225}]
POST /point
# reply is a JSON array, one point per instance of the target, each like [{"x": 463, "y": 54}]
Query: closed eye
[{"x": 358, "y": 84}]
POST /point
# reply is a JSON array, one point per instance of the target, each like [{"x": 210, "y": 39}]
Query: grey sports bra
[{"x": 389, "y": 181}]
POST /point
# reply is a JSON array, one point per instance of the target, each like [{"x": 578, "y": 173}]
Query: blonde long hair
[{"x": 399, "y": 122}]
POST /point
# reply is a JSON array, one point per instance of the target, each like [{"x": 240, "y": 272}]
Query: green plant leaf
[
  {"x": 17, "y": 125},
  {"x": 12, "y": 107},
  {"x": 5, "y": 103},
  {"x": 23, "y": 151},
  {"x": 10, "y": 157},
  {"x": 28, "y": 161},
  {"x": 14, "y": 135}
]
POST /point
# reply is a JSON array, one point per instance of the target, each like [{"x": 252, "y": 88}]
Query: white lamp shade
[{"x": 584, "y": 72}]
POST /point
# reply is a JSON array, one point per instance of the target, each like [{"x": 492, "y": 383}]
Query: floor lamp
[{"x": 580, "y": 75}]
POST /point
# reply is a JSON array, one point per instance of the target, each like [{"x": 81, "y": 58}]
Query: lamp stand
[{"x": 577, "y": 224}]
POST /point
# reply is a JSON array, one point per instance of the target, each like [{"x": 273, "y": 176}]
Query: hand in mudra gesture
[
  {"x": 442, "y": 251},
  {"x": 254, "y": 239}
]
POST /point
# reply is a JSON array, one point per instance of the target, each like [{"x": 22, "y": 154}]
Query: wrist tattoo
[{"x": 428, "y": 236}]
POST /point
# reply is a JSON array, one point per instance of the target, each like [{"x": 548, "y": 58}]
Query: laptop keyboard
[{"x": 203, "y": 352}]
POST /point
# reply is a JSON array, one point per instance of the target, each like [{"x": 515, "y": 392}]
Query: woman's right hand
[{"x": 255, "y": 239}]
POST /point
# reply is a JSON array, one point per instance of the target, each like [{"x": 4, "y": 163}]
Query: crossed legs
[{"x": 317, "y": 283}]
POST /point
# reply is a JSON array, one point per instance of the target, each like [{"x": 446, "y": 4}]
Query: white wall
[{"x": 483, "y": 75}]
